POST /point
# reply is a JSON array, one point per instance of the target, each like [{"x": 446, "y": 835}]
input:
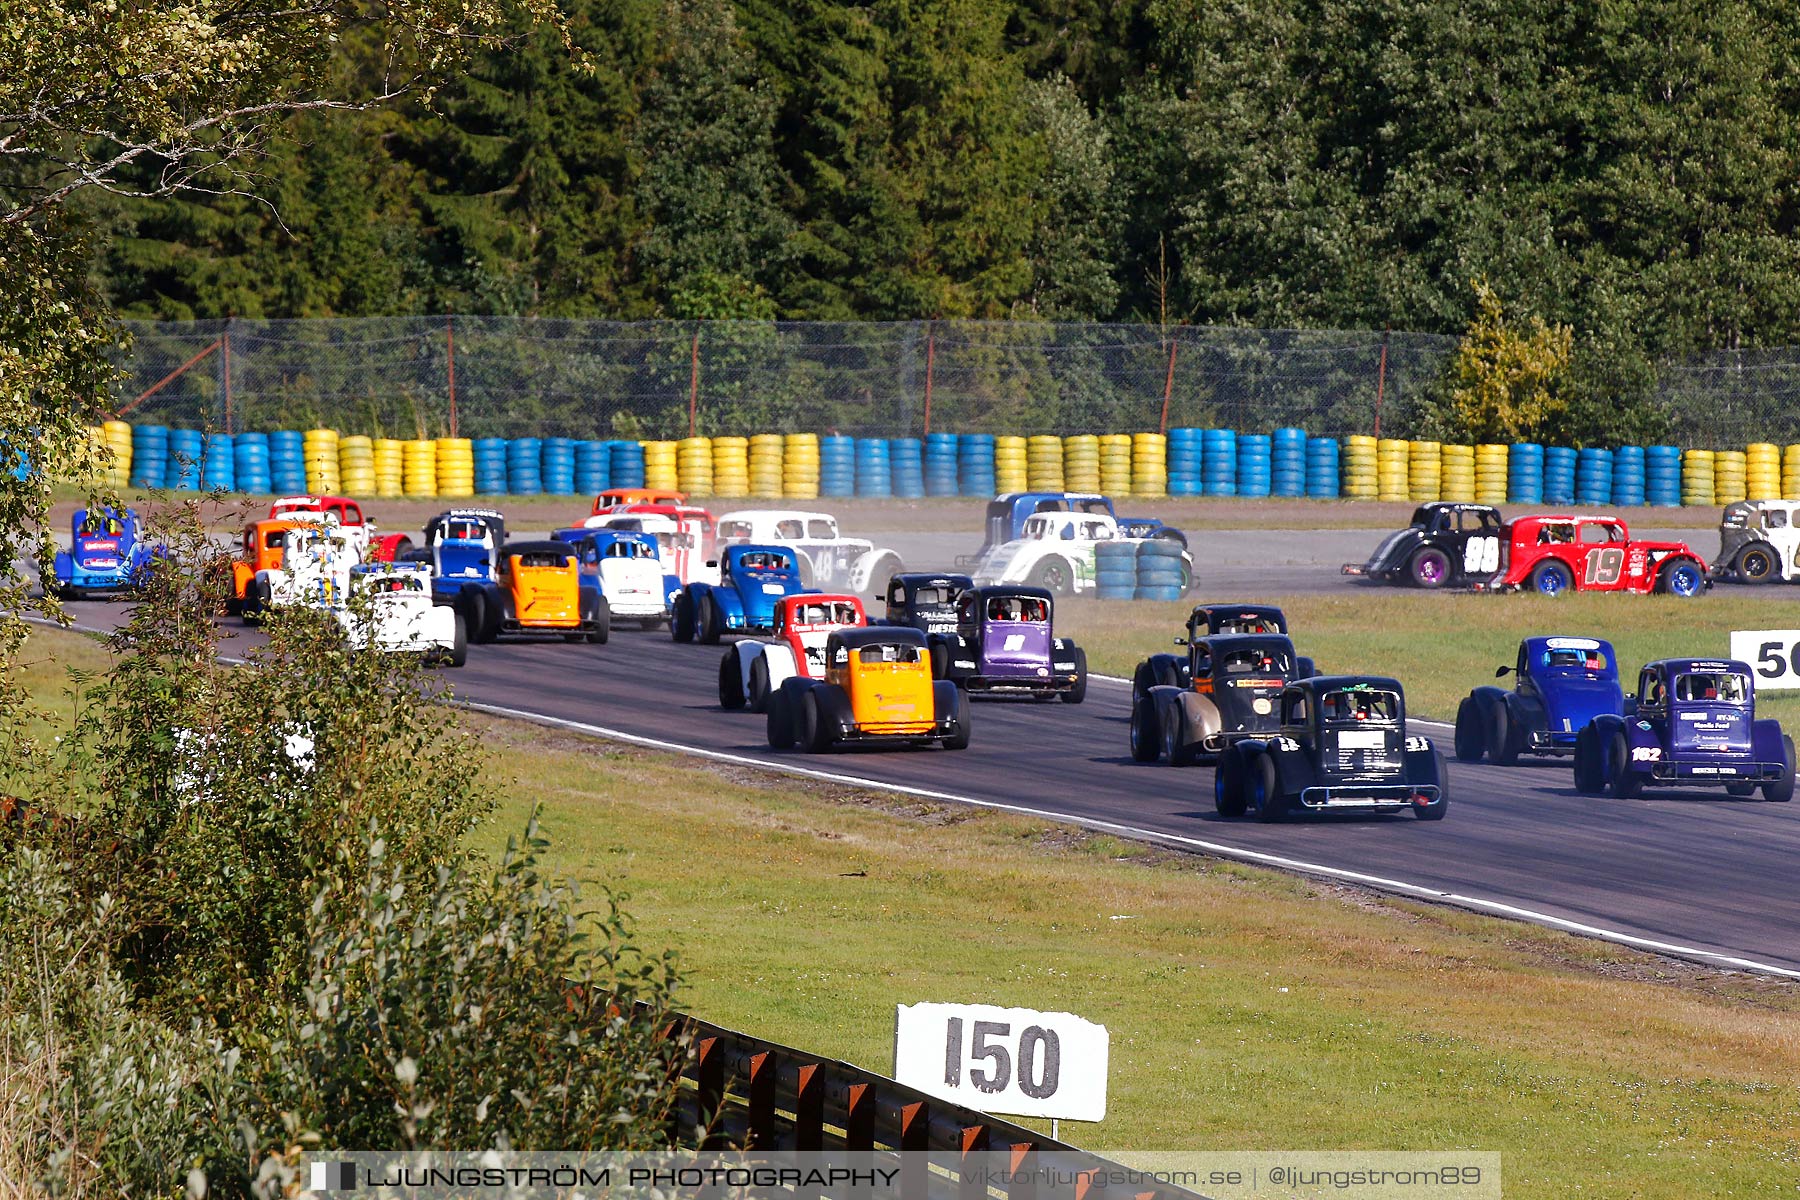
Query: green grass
[{"x": 1441, "y": 645}]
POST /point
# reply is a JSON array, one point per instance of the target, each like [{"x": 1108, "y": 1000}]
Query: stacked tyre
[
  {"x": 1162, "y": 574},
  {"x": 1762, "y": 471},
  {"x": 1628, "y": 476},
  {"x": 975, "y": 474},
  {"x": 1115, "y": 464},
  {"x": 1491, "y": 473},
  {"x": 627, "y": 465},
  {"x": 1593, "y": 476},
  {"x": 906, "y": 463},
  {"x": 1697, "y": 478},
  {"x": 731, "y": 466},
  {"x": 693, "y": 466},
  {"x": 803, "y": 465},
  {"x": 1081, "y": 463},
  {"x": 1393, "y": 464},
  {"x": 874, "y": 470},
  {"x": 1424, "y": 471},
  {"x": 1187, "y": 451},
  {"x": 455, "y": 468},
  {"x": 251, "y": 454},
  {"x": 1559, "y": 475},
  {"x": 593, "y": 467},
  {"x": 490, "y": 466},
  {"x": 1790, "y": 473},
  {"x": 941, "y": 464},
  {"x": 115, "y": 439},
  {"x": 356, "y": 465},
  {"x": 322, "y": 462},
  {"x": 390, "y": 468},
  {"x": 1044, "y": 464},
  {"x": 1361, "y": 472},
  {"x": 1729, "y": 472},
  {"x": 524, "y": 467},
  {"x": 837, "y": 465},
  {"x": 765, "y": 466},
  {"x": 149, "y": 455},
  {"x": 1009, "y": 464},
  {"x": 1324, "y": 480},
  {"x": 419, "y": 467},
  {"x": 287, "y": 461},
  {"x": 1287, "y": 463},
  {"x": 661, "y": 468},
  {"x": 1115, "y": 570},
  {"x": 1254, "y": 470},
  {"x": 1149, "y": 465},
  {"x": 1662, "y": 476},
  {"x": 1456, "y": 467},
  {"x": 1525, "y": 473},
  {"x": 556, "y": 466}
]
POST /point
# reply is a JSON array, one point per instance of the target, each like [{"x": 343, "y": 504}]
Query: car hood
[{"x": 1571, "y": 703}]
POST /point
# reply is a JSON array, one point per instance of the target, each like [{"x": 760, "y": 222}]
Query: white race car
[
  {"x": 315, "y": 569},
  {"x": 751, "y": 671},
  {"x": 390, "y": 609},
  {"x": 1055, "y": 551},
  {"x": 827, "y": 559}
]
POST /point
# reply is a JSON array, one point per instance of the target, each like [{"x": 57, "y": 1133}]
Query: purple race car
[{"x": 1003, "y": 642}]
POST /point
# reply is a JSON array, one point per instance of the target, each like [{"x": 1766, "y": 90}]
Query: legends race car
[
  {"x": 1231, "y": 684},
  {"x": 877, "y": 689},
  {"x": 751, "y": 670},
  {"x": 752, "y": 580},
  {"x": 826, "y": 557},
  {"x": 1448, "y": 544},
  {"x": 107, "y": 555},
  {"x": 1550, "y": 555},
  {"x": 1004, "y": 642},
  {"x": 1560, "y": 684}
]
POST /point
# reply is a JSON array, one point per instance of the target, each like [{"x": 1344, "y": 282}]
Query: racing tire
[
  {"x": 708, "y": 628},
  {"x": 1782, "y": 790},
  {"x": 1590, "y": 774},
  {"x": 1428, "y": 567},
  {"x": 1685, "y": 579},
  {"x": 474, "y": 607},
  {"x": 1228, "y": 785},
  {"x": 1078, "y": 693},
  {"x": 1626, "y": 783},
  {"x": 809, "y": 730},
  {"x": 1142, "y": 680},
  {"x": 780, "y": 722},
  {"x": 1055, "y": 576},
  {"x": 958, "y": 737},
  {"x": 1504, "y": 741},
  {"x": 731, "y": 681},
  {"x": 681, "y": 622},
  {"x": 1146, "y": 731},
  {"x": 1175, "y": 747},
  {"x": 1154, "y": 672},
  {"x": 1262, "y": 790},
  {"x": 758, "y": 699},
  {"x": 1435, "y": 812},
  {"x": 459, "y": 643},
  {"x": 1471, "y": 738},
  {"x": 940, "y": 660},
  {"x": 602, "y": 630},
  {"x": 1551, "y": 579},
  {"x": 258, "y": 600},
  {"x": 808, "y": 576},
  {"x": 1756, "y": 564},
  {"x": 1740, "y": 789}
]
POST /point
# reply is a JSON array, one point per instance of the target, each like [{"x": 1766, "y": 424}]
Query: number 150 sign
[{"x": 1004, "y": 1060}]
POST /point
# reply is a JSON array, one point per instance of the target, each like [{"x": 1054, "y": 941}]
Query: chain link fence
[{"x": 514, "y": 377}]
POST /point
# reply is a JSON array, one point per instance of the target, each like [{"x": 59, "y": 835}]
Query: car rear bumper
[
  {"x": 1370, "y": 797},
  {"x": 1059, "y": 682},
  {"x": 638, "y": 606},
  {"x": 1716, "y": 773},
  {"x": 1550, "y": 743}
]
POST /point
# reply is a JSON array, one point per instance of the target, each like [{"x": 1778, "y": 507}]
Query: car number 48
[{"x": 1481, "y": 556}]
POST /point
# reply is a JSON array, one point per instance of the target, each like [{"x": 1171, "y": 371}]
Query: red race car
[{"x": 1550, "y": 555}]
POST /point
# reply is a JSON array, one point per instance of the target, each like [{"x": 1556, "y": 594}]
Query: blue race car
[
  {"x": 105, "y": 555},
  {"x": 627, "y": 568},
  {"x": 1560, "y": 684},
  {"x": 1694, "y": 725},
  {"x": 752, "y": 581}
]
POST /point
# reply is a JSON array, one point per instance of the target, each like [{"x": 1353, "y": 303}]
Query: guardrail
[{"x": 739, "y": 1091}]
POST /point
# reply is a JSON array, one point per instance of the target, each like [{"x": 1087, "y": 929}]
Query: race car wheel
[
  {"x": 1054, "y": 576},
  {"x": 1470, "y": 737},
  {"x": 1782, "y": 790},
  {"x": 1228, "y": 785},
  {"x": 1146, "y": 731},
  {"x": 1428, "y": 567},
  {"x": 758, "y": 698},
  {"x": 810, "y": 728},
  {"x": 1263, "y": 789},
  {"x": 1142, "y": 680},
  {"x": 1175, "y": 747},
  {"x": 602, "y": 629},
  {"x": 1078, "y": 693},
  {"x": 958, "y": 737},
  {"x": 1756, "y": 564},
  {"x": 1627, "y": 784},
  {"x": 1740, "y": 789},
  {"x": 459, "y": 642},
  {"x": 1590, "y": 777},
  {"x": 1681, "y": 579},
  {"x": 780, "y": 722},
  {"x": 681, "y": 624},
  {"x": 1436, "y": 810},
  {"x": 731, "y": 680},
  {"x": 940, "y": 660},
  {"x": 708, "y": 627},
  {"x": 1505, "y": 738},
  {"x": 474, "y": 608},
  {"x": 1551, "y": 579}
]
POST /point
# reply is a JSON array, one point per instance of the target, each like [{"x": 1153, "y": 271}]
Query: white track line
[{"x": 1399, "y": 886}]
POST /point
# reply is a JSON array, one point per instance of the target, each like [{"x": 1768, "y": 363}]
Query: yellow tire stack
[
  {"x": 659, "y": 465},
  {"x": 320, "y": 448},
  {"x": 1044, "y": 464},
  {"x": 1697, "y": 478},
  {"x": 1009, "y": 465},
  {"x": 113, "y": 441},
  {"x": 455, "y": 468},
  {"x": 1425, "y": 471},
  {"x": 1149, "y": 464},
  {"x": 419, "y": 461},
  {"x": 1115, "y": 464},
  {"x": 356, "y": 465},
  {"x": 1790, "y": 473},
  {"x": 390, "y": 468},
  {"x": 1358, "y": 476},
  {"x": 1762, "y": 471},
  {"x": 694, "y": 465},
  {"x": 731, "y": 466},
  {"x": 1081, "y": 463},
  {"x": 1457, "y": 465},
  {"x": 765, "y": 466},
  {"x": 800, "y": 466},
  {"x": 1491, "y": 465},
  {"x": 1392, "y": 469},
  {"x": 1729, "y": 471}
]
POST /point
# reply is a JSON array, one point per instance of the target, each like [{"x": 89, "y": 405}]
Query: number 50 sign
[
  {"x": 1004, "y": 1060},
  {"x": 1773, "y": 654}
]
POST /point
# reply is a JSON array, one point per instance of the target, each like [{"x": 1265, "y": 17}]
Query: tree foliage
[{"x": 1507, "y": 383}]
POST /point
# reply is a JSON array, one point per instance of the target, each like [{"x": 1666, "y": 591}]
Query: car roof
[
  {"x": 1221, "y": 643},
  {"x": 1248, "y": 610},
  {"x": 282, "y": 524},
  {"x": 799, "y": 598},
  {"x": 744, "y": 514},
  {"x": 918, "y": 579},
  {"x": 1534, "y": 645},
  {"x": 1333, "y": 683},
  {"x": 739, "y": 549},
  {"x": 878, "y": 635},
  {"x": 513, "y": 549},
  {"x": 993, "y": 590},
  {"x": 1679, "y": 665}
]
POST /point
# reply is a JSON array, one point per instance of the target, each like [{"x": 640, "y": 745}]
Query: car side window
[
  {"x": 1775, "y": 519},
  {"x": 789, "y": 529},
  {"x": 1293, "y": 708},
  {"x": 824, "y": 530},
  {"x": 1650, "y": 690}
]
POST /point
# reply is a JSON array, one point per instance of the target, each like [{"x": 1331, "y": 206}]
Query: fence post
[
  {"x": 761, "y": 1099},
  {"x": 694, "y": 385},
  {"x": 1381, "y": 381},
  {"x": 1168, "y": 388},
  {"x": 225, "y": 367},
  {"x": 450, "y": 352},
  {"x": 930, "y": 365}
]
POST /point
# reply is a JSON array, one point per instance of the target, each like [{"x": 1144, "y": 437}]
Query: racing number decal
[
  {"x": 1604, "y": 566},
  {"x": 1481, "y": 556},
  {"x": 1039, "y": 1058}
]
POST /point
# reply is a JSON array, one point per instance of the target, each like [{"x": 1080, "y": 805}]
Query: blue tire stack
[
  {"x": 1161, "y": 575},
  {"x": 1322, "y": 466},
  {"x": 1287, "y": 462},
  {"x": 1186, "y": 454},
  {"x": 1662, "y": 476},
  {"x": 975, "y": 464},
  {"x": 874, "y": 472},
  {"x": 287, "y": 461},
  {"x": 524, "y": 467},
  {"x": 1115, "y": 570},
  {"x": 556, "y": 466},
  {"x": 1559, "y": 475},
  {"x": 593, "y": 467},
  {"x": 837, "y": 465},
  {"x": 1218, "y": 468},
  {"x": 906, "y": 456},
  {"x": 251, "y": 452},
  {"x": 1593, "y": 476},
  {"x": 627, "y": 465},
  {"x": 490, "y": 465},
  {"x": 149, "y": 455},
  {"x": 940, "y": 464},
  {"x": 186, "y": 450},
  {"x": 218, "y": 464},
  {"x": 1628, "y": 475},
  {"x": 1253, "y": 466},
  {"x": 1525, "y": 473}
]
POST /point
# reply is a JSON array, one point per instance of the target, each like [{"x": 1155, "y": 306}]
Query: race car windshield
[
  {"x": 542, "y": 558},
  {"x": 1712, "y": 687},
  {"x": 1018, "y": 608},
  {"x": 888, "y": 654},
  {"x": 1358, "y": 706},
  {"x": 734, "y": 529},
  {"x": 931, "y": 595},
  {"x": 465, "y": 531},
  {"x": 1251, "y": 625},
  {"x": 630, "y": 550},
  {"x": 1248, "y": 662},
  {"x": 763, "y": 562},
  {"x": 393, "y": 584},
  {"x": 1575, "y": 660},
  {"x": 832, "y": 613}
]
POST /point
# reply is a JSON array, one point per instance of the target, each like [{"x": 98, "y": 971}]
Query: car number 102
[
  {"x": 990, "y": 1061},
  {"x": 1481, "y": 556}
]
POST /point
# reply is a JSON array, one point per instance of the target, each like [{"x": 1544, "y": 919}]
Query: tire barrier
[
  {"x": 1762, "y": 471},
  {"x": 1790, "y": 473},
  {"x": 1115, "y": 464},
  {"x": 1361, "y": 474},
  {"x": 356, "y": 465},
  {"x": 906, "y": 463},
  {"x": 1593, "y": 476},
  {"x": 975, "y": 471},
  {"x": 1149, "y": 465},
  {"x": 627, "y": 465},
  {"x": 1559, "y": 475},
  {"x": 731, "y": 467},
  {"x": 1628, "y": 476},
  {"x": 1424, "y": 471},
  {"x": 556, "y": 466},
  {"x": 390, "y": 468},
  {"x": 1253, "y": 467},
  {"x": 802, "y": 464},
  {"x": 1525, "y": 473},
  {"x": 942, "y": 464},
  {"x": 661, "y": 469},
  {"x": 419, "y": 467},
  {"x": 1492, "y": 473},
  {"x": 456, "y": 468},
  {"x": 1044, "y": 464},
  {"x": 490, "y": 466},
  {"x": 113, "y": 446},
  {"x": 1161, "y": 573},
  {"x": 1392, "y": 462},
  {"x": 1081, "y": 463},
  {"x": 149, "y": 455},
  {"x": 1009, "y": 465},
  {"x": 1115, "y": 570},
  {"x": 693, "y": 466},
  {"x": 1323, "y": 478},
  {"x": 766, "y": 466},
  {"x": 1697, "y": 478},
  {"x": 321, "y": 456},
  {"x": 250, "y": 458},
  {"x": 1456, "y": 470},
  {"x": 1662, "y": 476},
  {"x": 593, "y": 467},
  {"x": 185, "y": 449},
  {"x": 287, "y": 461},
  {"x": 1287, "y": 463},
  {"x": 874, "y": 470},
  {"x": 1730, "y": 469},
  {"x": 1187, "y": 449},
  {"x": 837, "y": 466},
  {"x": 524, "y": 467}
]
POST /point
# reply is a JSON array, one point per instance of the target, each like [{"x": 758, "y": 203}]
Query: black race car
[
  {"x": 1448, "y": 544},
  {"x": 1210, "y": 620}
]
